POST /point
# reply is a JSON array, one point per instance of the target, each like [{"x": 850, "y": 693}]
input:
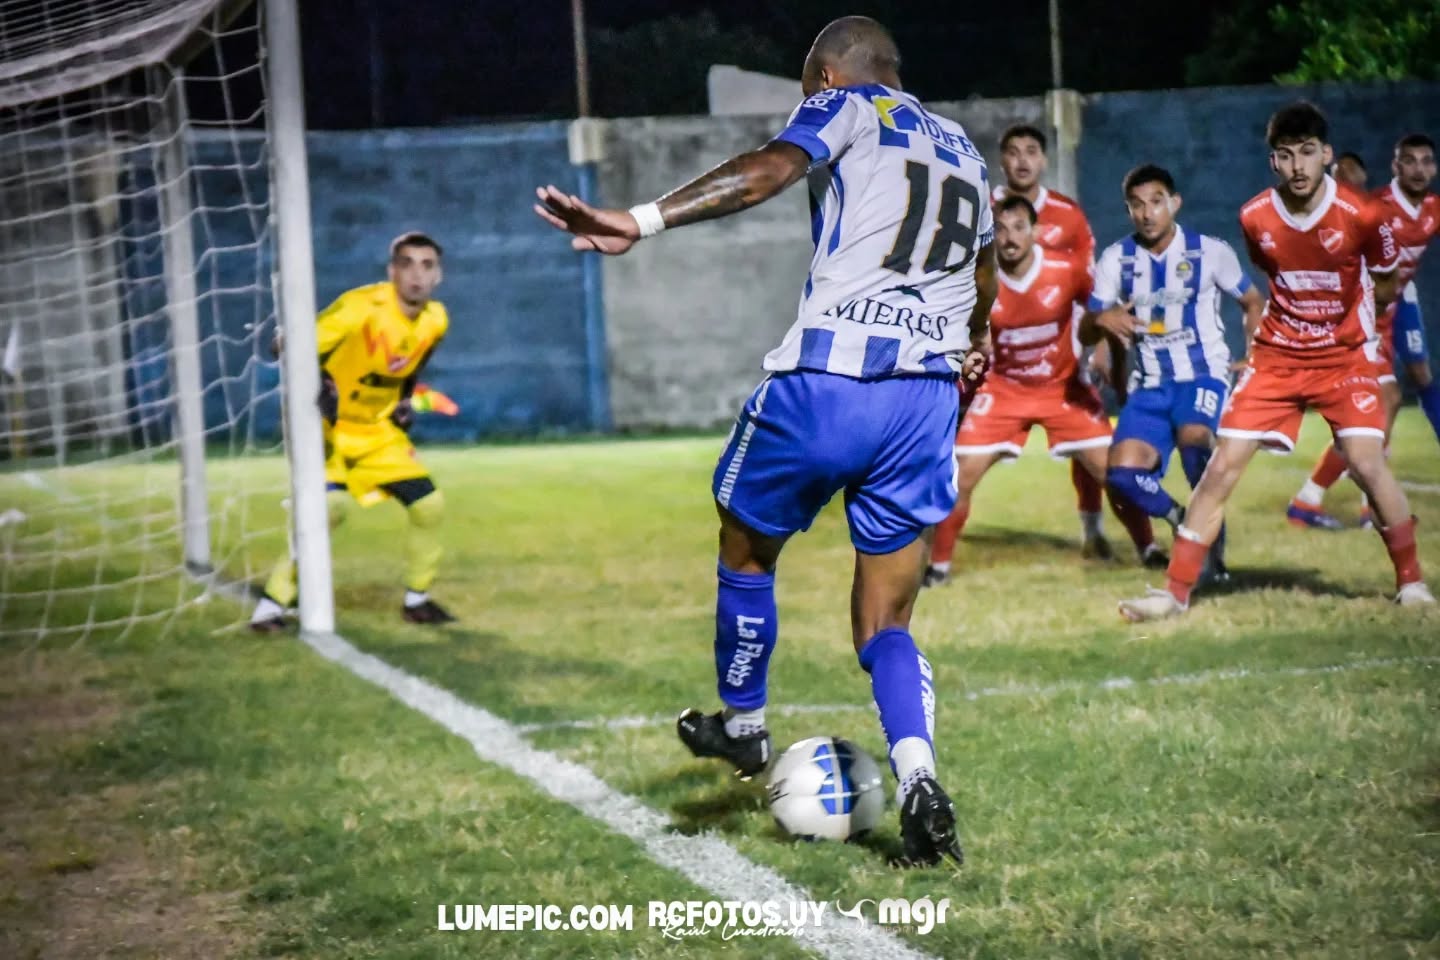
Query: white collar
[
  {"x": 1403, "y": 201},
  {"x": 1024, "y": 283},
  {"x": 1303, "y": 224},
  {"x": 1040, "y": 199}
]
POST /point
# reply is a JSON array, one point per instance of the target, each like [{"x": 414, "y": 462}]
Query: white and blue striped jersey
[
  {"x": 899, "y": 205},
  {"x": 1179, "y": 333}
]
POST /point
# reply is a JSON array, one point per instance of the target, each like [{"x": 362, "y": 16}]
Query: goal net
[{"x": 141, "y": 433}]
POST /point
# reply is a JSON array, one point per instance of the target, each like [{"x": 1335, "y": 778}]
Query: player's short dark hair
[
  {"x": 1295, "y": 123},
  {"x": 414, "y": 238},
  {"x": 1354, "y": 158},
  {"x": 1017, "y": 130},
  {"x": 1147, "y": 173},
  {"x": 1017, "y": 202},
  {"x": 1411, "y": 140}
]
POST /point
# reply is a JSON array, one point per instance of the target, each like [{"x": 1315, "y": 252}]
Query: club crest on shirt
[
  {"x": 1051, "y": 235},
  {"x": 1331, "y": 239},
  {"x": 1050, "y": 296},
  {"x": 1365, "y": 402},
  {"x": 1183, "y": 269},
  {"x": 1428, "y": 224}
]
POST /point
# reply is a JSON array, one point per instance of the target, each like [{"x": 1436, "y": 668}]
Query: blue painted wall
[{"x": 1213, "y": 141}]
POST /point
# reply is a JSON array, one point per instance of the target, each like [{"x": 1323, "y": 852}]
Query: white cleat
[
  {"x": 1155, "y": 605},
  {"x": 1415, "y": 595}
]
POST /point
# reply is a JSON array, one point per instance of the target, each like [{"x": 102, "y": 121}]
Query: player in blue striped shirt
[{"x": 1159, "y": 289}]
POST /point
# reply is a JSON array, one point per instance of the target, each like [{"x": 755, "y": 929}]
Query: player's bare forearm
[
  {"x": 987, "y": 288},
  {"x": 737, "y": 184}
]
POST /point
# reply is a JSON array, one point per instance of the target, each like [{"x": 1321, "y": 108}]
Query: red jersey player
[
  {"x": 1315, "y": 349},
  {"x": 1061, "y": 227},
  {"x": 1034, "y": 371},
  {"x": 1413, "y": 213}
]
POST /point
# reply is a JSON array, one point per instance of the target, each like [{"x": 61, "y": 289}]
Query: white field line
[
  {"x": 1414, "y": 487},
  {"x": 1021, "y": 690},
  {"x": 704, "y": 859}
]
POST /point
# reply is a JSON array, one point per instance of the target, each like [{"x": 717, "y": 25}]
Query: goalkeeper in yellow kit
[{"x": 373, "y": 342}]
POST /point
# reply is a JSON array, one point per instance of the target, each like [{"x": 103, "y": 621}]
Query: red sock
[
  {"x": 1328, "y": 470},
  {"x": 947, "y": 531},
  {"x": 1087, "y": 488},
  {"x": 1400, "y": 542},
  {"x": 1186, "y": 559},
  {"x": 1136, "y": 521}
]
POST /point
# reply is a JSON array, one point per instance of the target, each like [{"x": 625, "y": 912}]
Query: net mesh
[{"x": 136, "y": 311}]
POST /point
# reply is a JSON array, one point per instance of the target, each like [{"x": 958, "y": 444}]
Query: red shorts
[
  {"x": 1003, "y": 411},
  {"x": 1385, "y": 359},
  {"x": 1270, "y": 400}
]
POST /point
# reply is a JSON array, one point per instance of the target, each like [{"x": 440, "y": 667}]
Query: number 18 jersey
[{"x": 899, "y": 207}]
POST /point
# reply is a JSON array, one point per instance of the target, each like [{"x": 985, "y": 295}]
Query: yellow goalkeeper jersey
[{"x": 370, "y": 348}]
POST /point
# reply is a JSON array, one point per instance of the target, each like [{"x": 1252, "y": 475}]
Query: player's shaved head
[{"x": 850, "y": 51}]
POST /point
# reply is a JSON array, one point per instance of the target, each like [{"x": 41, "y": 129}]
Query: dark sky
[{"x": 428, "y": 62}]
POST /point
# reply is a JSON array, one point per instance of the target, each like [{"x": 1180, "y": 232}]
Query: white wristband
[{"x": 647, "y": 215}]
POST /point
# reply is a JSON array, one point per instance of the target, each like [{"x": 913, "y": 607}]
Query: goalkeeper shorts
[{"x": 364, "y": 458}]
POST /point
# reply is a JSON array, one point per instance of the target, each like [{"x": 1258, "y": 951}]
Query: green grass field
[{"x": 185, "y": 789}]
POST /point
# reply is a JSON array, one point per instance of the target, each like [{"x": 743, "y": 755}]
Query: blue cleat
[{"x": 1304, "y": 515}]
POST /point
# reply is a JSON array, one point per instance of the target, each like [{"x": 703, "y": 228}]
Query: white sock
[
  {"x": 414, "y": 598},
  {"x": 1093, "y": 524},
  {"x": 1312, "y": 494},
  {"x": 744, "y": 723},
  {"x": 941, "y": 567},
  {"x": 266, "y": 609},
  {"x": 913, "y": 760}
]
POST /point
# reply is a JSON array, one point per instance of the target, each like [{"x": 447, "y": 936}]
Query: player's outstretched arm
[{"x": 737, "y": 184}]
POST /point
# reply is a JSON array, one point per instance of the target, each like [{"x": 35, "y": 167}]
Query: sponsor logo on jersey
[
  {"x": 1019, "y": 336},
  {"x": 901, "y": 118},
  {"x": 1365, "y": 402},
  {"x": 1308, "y": 279},
  {"x": 1330, "y": 239},
  {"x": 1267, "y": 242}
]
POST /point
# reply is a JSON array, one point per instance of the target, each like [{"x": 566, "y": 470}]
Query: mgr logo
[{"x": 922, "y": 914}]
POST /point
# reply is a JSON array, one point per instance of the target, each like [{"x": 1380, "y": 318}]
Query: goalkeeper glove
[
  {"x": 403, "y": 416},
  {"x": 429, "y": 400},
  {"x": 329, "y": 399}
]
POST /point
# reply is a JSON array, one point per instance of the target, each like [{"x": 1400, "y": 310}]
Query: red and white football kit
[
  {"x": 1033, "y": 375},
  {"x": 1316, "y": 346},
  {"x": 1413, "y": 225}
]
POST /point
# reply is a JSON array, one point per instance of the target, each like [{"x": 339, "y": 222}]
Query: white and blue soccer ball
[{"x": 826, "y": 788}]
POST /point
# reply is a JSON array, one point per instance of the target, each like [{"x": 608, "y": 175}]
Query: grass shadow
[{"x": 1306, "y": 579}]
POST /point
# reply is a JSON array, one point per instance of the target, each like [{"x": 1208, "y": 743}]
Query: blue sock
[
  {"x": 745, "y": 629},
  {"x": 1194, "y": 460},
  {"x": 1142, "y": 488},
  {"x": 1430, "y": 403},
  {"x": 900, "y": 678}
]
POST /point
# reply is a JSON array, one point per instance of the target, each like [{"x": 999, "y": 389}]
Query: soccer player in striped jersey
[
  {"x": 1315, "y": 349},
  {"x": 1062, "y": 228},
  {"x": 1160, "y": 289},
  {"x": 861, "y": 393},
  {"x": 1414, "y": 216}
]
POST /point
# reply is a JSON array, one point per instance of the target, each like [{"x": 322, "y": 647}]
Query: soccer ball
[{"x": 825, "y": 787}]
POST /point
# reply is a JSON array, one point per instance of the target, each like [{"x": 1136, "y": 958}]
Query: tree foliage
[{"x": 1374, "y": 40}]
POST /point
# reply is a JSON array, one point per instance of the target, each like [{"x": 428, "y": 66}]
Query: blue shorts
[
  {"x": 1409, "y": 334},
  {"x": 802, "y": 436},
  {"x": 1154, "y": 415}
]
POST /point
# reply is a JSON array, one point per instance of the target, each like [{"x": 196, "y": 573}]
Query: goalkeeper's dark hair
[
  {"x": 1024, "y": 130},
  {"x": 1354, "y": 158},
  {"x": 1296, "y": 123},
  {"x": 1017, "y": 202},
  {"x": 414, "y": 238},
  {"x": 1412, "y": 140},
  {"x": 1147, "y": 173}
]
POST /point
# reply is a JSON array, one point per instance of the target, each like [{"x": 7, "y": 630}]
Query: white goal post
[{"x": 154, "y": 238}]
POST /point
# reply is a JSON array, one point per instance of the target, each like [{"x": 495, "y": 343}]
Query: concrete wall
[
  {"x": 1213, "y": 141},
  {"x": 690, "y": 316}
]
